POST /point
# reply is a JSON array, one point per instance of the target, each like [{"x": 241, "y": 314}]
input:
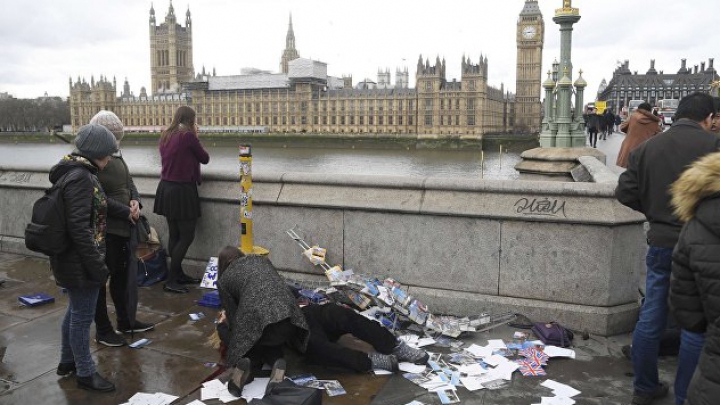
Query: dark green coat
[{"x": 118, "y": 185}]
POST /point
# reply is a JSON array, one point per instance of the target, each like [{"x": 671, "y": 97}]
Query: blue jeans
[
  {"x": 76, "y": 330},
  {"x": 652, "y": 324},
  {"x": 691, "y": 345}
]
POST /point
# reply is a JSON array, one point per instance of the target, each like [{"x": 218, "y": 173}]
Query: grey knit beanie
[
  {"x": 95, "y": 141},
  {"x": 109, "y": 120}
]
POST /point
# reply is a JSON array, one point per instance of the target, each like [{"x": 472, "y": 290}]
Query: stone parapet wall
[{"x": 555, "y": 251}]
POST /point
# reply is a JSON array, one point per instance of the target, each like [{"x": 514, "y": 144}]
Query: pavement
[
  {"x": 610, "y": 147},
  {"x": 178, "y": 359}
]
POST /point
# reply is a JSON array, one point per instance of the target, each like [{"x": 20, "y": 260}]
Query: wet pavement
[{"x": 178, "y": 358}]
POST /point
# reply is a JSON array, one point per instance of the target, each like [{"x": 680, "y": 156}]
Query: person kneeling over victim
[{"x": 258, "y": 302}]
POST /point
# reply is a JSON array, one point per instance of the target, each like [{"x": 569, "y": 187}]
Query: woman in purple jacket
[{"x": 176, "y": 197}]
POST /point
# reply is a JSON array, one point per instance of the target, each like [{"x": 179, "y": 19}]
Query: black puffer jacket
[
  {"x": 86, "y": 208},
  {"x": 695, "y": 280}
]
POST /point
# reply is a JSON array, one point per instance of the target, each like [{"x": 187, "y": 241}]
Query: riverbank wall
[
  {"x": 509, "y": 142},
  {"x": 566, "y": 252}
]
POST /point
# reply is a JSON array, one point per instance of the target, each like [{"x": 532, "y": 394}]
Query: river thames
[{"x": 308, "y": 159}]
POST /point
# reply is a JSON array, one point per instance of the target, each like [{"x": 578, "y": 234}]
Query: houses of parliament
[{"x": 303, "y": 98}]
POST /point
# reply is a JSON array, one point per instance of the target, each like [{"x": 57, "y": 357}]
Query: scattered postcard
[
  {"x": 471, "y": 369},
  {"x": 334, "y": 388},
  {"x": 496, "y": 384},
  {"x": 417, "y": 378},
  {"x": 556, "y": 401},
  {"x": 462, "y": 358},
  {"x": 140, "y": 343},
  {"x": 448, "y": 397},
  {"x": 302, "y": 379},
  {"x": 158, "y": 398},
  {"x": 560, "y": 389},
  {"x": 378, "y": 371},
  {"x": 415, "y": 403}
]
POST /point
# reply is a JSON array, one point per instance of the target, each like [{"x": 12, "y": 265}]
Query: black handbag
[{"x": 287, "y": 393}]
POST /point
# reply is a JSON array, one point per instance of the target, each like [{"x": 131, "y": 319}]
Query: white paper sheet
[
  {"x": 495, "y": 360},
  {"x": 560, "y": 389},
  {"x": 412, "y": 368},
  {"x": 255, "y": 389},
  {"x": 479, "y": 351},
  {"x": 378, "y": 371},
  {"x": 554, "y": 351},
  {"x": 471, "y": 369}
]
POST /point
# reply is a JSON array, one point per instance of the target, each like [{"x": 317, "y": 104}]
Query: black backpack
[{"x": 46, "y": 232}]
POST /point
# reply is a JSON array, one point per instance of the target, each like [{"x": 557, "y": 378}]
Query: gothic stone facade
[{"x": 302, "y": 100}]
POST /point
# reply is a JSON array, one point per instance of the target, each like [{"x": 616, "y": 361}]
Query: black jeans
[
  {"x": 593, "y": 135},
  {"x": 270, "y": 345},
  {"x": 182, "y": 234},
  {"x": 329, "y": 322},
  {"x": 116, "y": 259}
]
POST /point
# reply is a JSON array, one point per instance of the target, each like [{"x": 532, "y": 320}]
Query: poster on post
[{"x": 209, "y": 279}]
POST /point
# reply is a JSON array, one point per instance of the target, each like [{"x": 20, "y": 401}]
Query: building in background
[
  {"x": 656, "y": 85},
  {"x": 302, "y": 97},
  {"x": 530, "y": 40},
  {"x": 171, "y": 52}
]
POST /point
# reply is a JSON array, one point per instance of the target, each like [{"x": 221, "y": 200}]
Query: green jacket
[{"x": 118, "y": 185}]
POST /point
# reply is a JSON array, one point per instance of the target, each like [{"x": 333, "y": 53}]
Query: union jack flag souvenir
[
  {"x": 538, "y": 356},
  {"x": 531, "y": 369}
]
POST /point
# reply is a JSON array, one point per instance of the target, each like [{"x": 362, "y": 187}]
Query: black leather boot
[{"x": 95, "y": 382}]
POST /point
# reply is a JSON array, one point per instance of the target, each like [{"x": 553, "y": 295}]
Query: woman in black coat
[
  {"x": 81, "y": 269},
  {"x": 695, "y": 280}
]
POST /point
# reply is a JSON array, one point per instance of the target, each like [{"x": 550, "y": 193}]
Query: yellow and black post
[{"x": 246, "y": 219}]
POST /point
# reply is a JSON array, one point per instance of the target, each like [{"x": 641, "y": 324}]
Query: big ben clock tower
[{"x": 530, "y": 38}]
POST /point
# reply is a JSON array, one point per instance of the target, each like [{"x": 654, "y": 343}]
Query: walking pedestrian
[
  {"x": 618, "y": 121},
  {"x": 177, "y": 197},
  {"x": 593, "y": 123},
  {"x": 81, "y": 270},
  {"x": 694, "y": 298},
  {"x": 609, "y": 122},
  {"x": 641, "y": 126},
  {"x": 644, "y": 187},
  {"x": 118, "y": 185}
]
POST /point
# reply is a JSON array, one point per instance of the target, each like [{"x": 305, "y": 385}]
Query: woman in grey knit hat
[
  {"x": 81, "y": 269},
  {"x": 120, "y": 256}
]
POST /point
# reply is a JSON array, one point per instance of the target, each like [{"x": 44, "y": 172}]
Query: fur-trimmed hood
[{"x": 700, "y": 181}]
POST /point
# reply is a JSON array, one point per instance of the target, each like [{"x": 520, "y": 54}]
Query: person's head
[
  {"x": 109, "y": 120},
  {"x": 698, "y": 107},
  {"x": 715, "y": 126},
  {"x": 227, "y": 255},
  {"x": 184, "y": 118},
  {"x": 645, "y": 107},
  {"x": 96, "y": 143}
]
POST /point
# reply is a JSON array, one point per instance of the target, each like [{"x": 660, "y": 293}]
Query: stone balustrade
[{"x": 551, "y": 250}]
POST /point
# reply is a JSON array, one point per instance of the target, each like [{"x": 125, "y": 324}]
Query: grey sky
[{"x": 44, "y": 42}]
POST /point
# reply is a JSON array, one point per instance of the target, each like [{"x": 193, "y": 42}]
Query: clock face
[{"x": 529, "y": 32}]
